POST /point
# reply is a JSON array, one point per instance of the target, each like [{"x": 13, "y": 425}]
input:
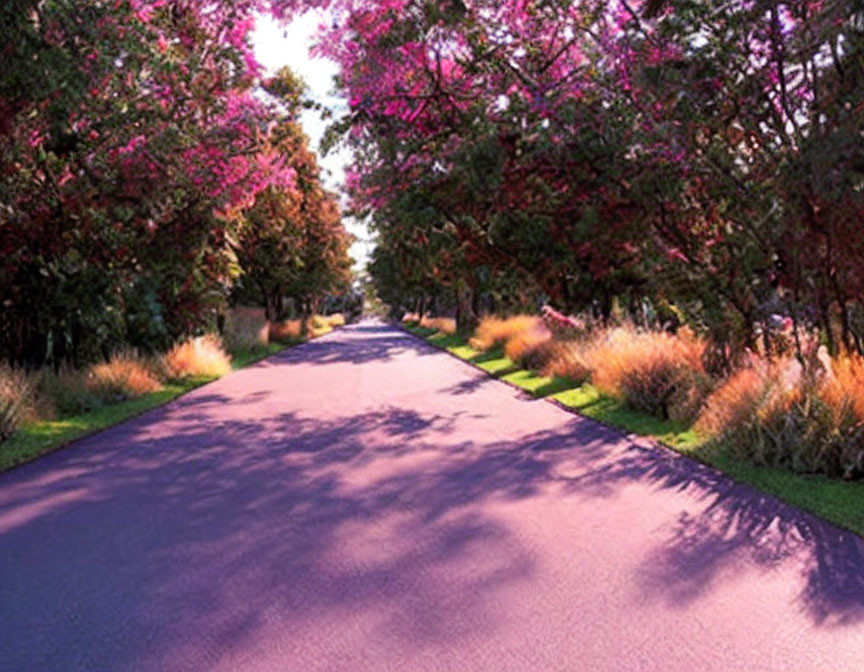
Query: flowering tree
[{"x": 702, "y": 154}]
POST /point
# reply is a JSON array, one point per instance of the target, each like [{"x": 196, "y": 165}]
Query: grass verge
[
  {"x": 40, "y": 438},
  {"x": 839, "y": 502}
]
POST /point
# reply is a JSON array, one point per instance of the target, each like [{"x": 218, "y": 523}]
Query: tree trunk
[{"x": 466, "y": 318}]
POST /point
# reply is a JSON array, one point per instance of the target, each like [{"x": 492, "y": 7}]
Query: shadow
[
  {"x": 736, "y": 524},
  {"x": 488, "y": 356},
  {"x": 181, "y": 538},
  {"x": 210, "y": 530},
  {"x": 556, "y": 385}
]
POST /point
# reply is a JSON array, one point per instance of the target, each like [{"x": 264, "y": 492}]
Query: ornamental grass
[
  {"x": 652, "y": 371},
  {"x": 779, "y": 413},
  {"x": 124, "y": 376},
  {"x": 446, "y": 325},
  {"x": 286, "y": 332},
  {"x": 201, "y": 356},
  {"x": 17, "y": 400},
  {"x": 495, "y": 331}
]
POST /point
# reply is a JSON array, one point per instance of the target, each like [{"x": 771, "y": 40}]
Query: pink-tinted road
[{"x": 364, "y": 502}]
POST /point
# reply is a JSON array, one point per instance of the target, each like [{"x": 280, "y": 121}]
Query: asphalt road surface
[{"x": 365, "y": 502}]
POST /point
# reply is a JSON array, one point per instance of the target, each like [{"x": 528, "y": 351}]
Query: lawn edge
[
  {"x": 655, "y": 442},
  {"x": 192, "y": 387}
]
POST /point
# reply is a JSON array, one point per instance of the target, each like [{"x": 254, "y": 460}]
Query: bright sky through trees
[{"x": 277, "y": 46}]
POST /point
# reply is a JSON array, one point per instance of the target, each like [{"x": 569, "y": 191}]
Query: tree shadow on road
[
  {"x": 736, "y": 523},
  {"x": 211, "y": 531}
]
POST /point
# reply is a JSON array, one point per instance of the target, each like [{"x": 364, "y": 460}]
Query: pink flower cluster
[{"x": 558, "y": 323}]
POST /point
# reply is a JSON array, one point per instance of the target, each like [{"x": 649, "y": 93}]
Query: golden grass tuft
[
  {"x": 568, "y": 359},
  {"x": 17, "y": 400},
  {"x": 288, "y": 331},
  {"x": 317, "y": 325},
  {"x": 446, "y": 325},
  {"x": 843, "y": 386},
  {"x": 336, "y": 320},
  {"x": 529, "y": 347},
  {"x": 734, "y": 402},
  {"x": 124, "y": 376},
  {"x": 652, "y": 371},
  {"x": 201, "y": 356},
  {"x": 494, "y": 331}
]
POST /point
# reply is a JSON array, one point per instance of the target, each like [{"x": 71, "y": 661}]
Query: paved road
[{"x": 364, "y": 502}]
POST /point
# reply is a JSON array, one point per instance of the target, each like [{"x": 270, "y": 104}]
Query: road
[{"x": 365, "y": 502}]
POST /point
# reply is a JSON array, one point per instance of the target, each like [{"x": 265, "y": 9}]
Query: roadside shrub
[
  {"x": 567, "y": 359},
  {"x": 735, "y": 402},
  {"x": 17, "y": 402},
  {"x": 287, "y": 332},
  {"x": 67, "y": 391},
  {"x": 124, "y": 376},
  {"x": 655, "y": 372},
  {"x": 530, "y": 348},
  {"x": 201, "y": 356},
  {"x": 445, "y": 325},
  {"x": 410, "y": 318},
  {"x": 246, "y": 328},
  {"x": 776, "y": 413},
  {"x": 316, "y": 326},
  {"x": 494, "y": 331},
  {"x": 336, "y": 320}
]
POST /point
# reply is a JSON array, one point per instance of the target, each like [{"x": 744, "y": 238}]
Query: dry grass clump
[
  {"x": 124, "y": 376},
  {"x": 17, "y": 400},
  {"x": 655, "y": 372},
  {"x": 734, "y": 403},
  {"x": 201, "y": 356},
  {"x": 288, "y": 331},
  {"x": 777, "y": 413},
  {"x": 336, "y": 320},
  {"x": 494, "y": 331},
  {"x": 410, "y": 318},
  {"x": 530, "y": 347},
  {"x": 445, "y": 325},
  {"x": 246, "y": 328},
  {"x": 568, "y": 359},
  {"x": 317, "y": 325}
]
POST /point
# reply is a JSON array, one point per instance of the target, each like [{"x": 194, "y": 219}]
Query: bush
[
  {"x": 494, "y": 331},
  {"x": 446, "y": 325},
  {"x": 287, "y": 332},
  {"x": 17, "y": 402},
  {"x": 67, "y": 391},
  {"x": 411, "y": 319},
  {"x": 652, "y": 371},
  {"x": 567, "y": 359},
  {"x": 530, "y": 347},
  {"x": 781, "y": 415},
  {"x": 336, "y": 320},
  {"x": 246, "y": 328},
  {"x": 317, "y": 326},
  {"x": 124, "y": 376},
  {"x": 201, "y": 356}
]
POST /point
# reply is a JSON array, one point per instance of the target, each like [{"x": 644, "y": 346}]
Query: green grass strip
[
  {"x": 839, "y": 502},
  {"x": 40, "y": 438}
]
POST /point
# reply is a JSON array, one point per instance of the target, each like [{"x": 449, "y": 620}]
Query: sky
[{"x": 276, "y": 46}]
